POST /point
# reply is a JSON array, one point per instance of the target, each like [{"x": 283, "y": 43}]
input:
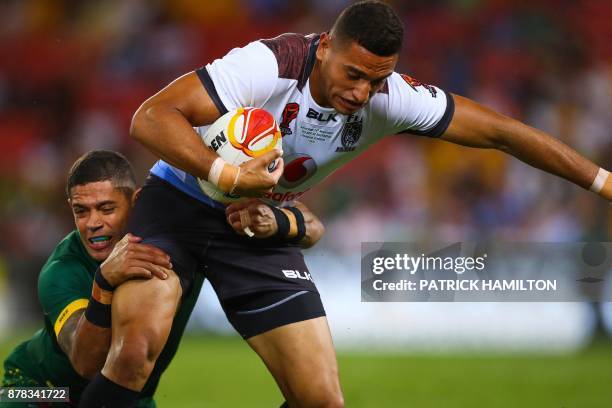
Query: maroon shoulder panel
[{"x": 294, "y": 54}]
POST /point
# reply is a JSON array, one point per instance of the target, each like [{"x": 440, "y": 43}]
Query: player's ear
[
  {"x": 324, "y": 46},
  {"x": 135, "y": 195}
]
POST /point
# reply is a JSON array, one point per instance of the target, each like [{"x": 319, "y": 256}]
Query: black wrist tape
[
  {"x": 301, "y": 224},
  {"x": 102, "y": 282},
  {"x": 282, "y": 223},
  {"x": 98, "y": 313}
]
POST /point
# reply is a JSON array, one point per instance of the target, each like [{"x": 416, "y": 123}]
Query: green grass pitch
[{"x": 224, "y": 372}]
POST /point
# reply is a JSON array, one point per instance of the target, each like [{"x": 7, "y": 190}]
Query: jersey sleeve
[
  {"x": 417, "y": 108},
  {"x": 61, "y": 291},
  {"x": 244, "y": 77}
]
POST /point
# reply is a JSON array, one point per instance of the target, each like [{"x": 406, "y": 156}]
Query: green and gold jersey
[{"x": 64, "y": 287}]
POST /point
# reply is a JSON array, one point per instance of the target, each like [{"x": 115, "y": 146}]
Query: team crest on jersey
[
  {"x": 415, "y": 83},
  {"x": 351, "y": 132},
  {"x": 289, "y": 114}
]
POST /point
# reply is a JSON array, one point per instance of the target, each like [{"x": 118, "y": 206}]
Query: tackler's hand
[
  {"x": 131, "y": 259},
  {"x": 252, "y": 217}
]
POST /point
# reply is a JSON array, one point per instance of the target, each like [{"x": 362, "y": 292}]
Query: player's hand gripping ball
[{"x": 238, "y": 136}]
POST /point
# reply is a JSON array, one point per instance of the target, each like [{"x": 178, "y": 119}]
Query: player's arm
[
  {"x": 477, "y": 126},
  {"x": 164, "y": 124},
  {"x": 85, "y": 344},
  {"x": 295, "y": 223},
  {"x": 85, "y": 335}
]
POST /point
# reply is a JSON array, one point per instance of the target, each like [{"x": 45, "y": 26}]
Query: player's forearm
[
  {"x": 89, "y": 337},
  {"x": 314, "y": 227},
  {"x": 167, "y": 133},
  {"x": 475, "y": 125},
  {"x": 90, "y": 346},
  {"x": 543, "y": 151}
]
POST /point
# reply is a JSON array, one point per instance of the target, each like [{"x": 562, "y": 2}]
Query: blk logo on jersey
[
  {"x": 313, "y": 114},
  {"x": 289, "y": 114},
  {"x": 414, "y": 83},
  {"x": 299, "y": 167},
  {"x": 351, "y": 132}
]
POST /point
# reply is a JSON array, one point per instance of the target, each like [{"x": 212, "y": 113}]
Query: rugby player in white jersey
[{"x": 334, "y": 94}]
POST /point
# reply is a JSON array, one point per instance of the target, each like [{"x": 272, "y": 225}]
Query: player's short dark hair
[
  {"x": 102, "y": 165},
  {"x": 373, "y": 25}
]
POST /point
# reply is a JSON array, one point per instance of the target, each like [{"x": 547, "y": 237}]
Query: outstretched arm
[{"x": 478, "y": 126}]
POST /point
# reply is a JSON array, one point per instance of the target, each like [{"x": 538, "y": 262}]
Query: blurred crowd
[{"x": 72, "y": 74}]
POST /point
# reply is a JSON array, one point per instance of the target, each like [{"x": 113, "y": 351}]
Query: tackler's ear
[
  {"x": 69, "y": 199},
  {"x": 135, "y": 195}
]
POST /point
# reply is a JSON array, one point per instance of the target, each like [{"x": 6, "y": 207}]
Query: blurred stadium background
[{"x": 72, "y": 73}]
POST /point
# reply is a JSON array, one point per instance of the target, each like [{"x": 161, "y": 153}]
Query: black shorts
[
  {"x": 257, "y": 313},
  {"x": 198, "y": 239}
]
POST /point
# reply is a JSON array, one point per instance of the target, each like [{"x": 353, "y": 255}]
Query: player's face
[
  {"x": 100, "y": 214},
  {"x": 348, "y": 75}
]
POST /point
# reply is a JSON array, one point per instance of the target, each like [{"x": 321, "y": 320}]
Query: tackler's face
[
  {"x": 348, "y": 74},
  {"x": 100, "y": 213}
]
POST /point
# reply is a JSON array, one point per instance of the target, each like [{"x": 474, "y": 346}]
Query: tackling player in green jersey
[{"x": 76, "y": 284}]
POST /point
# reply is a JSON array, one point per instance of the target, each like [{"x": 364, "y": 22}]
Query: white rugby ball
[{"x": 238, "y": 136}]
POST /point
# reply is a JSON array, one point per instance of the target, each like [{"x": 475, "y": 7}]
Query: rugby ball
[{"x": 238, "y": 136}]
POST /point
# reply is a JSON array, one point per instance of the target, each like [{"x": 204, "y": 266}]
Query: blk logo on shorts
[{"x": 295, "y": 274}]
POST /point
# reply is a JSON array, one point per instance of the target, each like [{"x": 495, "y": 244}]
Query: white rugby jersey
[{"x": 274, "y": 75}]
